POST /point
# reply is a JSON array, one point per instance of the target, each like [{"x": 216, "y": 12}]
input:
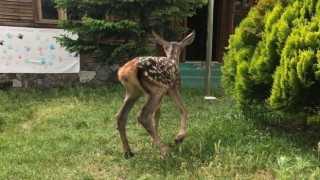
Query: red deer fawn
[{"x": 153, "y": 77}]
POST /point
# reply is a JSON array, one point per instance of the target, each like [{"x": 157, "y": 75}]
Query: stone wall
[{"x": 94, "y": 73}]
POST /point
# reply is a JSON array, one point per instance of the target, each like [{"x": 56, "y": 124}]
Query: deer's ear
[
  {"x": 159, "y": 40},
  {"x": 188, "y": 40}
]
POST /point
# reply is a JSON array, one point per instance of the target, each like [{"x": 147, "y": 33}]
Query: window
[
  {"x": 242, "y": 5},
  {"x": 47, "y": 13},
  {"x": 240, "y": 11}
]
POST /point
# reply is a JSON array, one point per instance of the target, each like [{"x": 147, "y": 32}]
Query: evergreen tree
[
  {"x": 274, "y": 56},
  {"x": 117, "y": 30}
]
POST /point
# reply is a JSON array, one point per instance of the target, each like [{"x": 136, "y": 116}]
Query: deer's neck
[{"x": 172, "y": 54}]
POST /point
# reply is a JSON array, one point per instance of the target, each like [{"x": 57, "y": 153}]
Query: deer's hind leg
[
  {"x": 156, "y": 118},
  {"x": 175, "y": 95},
  {"x": 147, "y": 117},
  {"x": 132, "y": 95}
]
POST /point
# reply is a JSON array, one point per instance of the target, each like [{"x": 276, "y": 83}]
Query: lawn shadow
[
  {"x": 81, "y": 91},
  {"x": 186, "y": 158},
  {"x": 237, "y": 135},
  {"x": 195, "y": 151},
  {"x": 296, "y": 133},
  {"x": 2, "y": 124},
  {"x": 176, "y": 165}
]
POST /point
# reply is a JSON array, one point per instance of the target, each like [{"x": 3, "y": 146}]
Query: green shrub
[
  {"x": 243, "y": 47},
  {"x": 280, "y": 62}
]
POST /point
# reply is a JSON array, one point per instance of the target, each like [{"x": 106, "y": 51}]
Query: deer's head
[{"x": 173, "y": 49}]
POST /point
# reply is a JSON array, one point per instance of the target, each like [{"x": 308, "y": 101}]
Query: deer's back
[
  {"x": 158, "y": 70},
  {"x": 150, "y": 71}
]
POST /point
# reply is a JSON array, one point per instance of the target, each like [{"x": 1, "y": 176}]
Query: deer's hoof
[
  {"x": 165, "y": 153},
  {"x": 128, "y": 155},
  {"x": 178, "y": 139}
]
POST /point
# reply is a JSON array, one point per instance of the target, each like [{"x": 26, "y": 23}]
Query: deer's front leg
[
  {"x": 122, "y": 117},
  {"x": 145, "y": 117},
  {"x": 174, "y": 94}
]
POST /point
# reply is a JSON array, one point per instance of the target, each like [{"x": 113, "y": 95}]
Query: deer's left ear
[
  {"x": 189, "y": 39},
  {"x": 159, "y": 40}
]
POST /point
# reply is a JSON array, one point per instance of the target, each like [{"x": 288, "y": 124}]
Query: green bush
[
  {"x": 244, "y": 46},
  {"x": 274, "y": 56}
]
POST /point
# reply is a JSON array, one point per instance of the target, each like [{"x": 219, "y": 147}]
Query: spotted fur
[
  {"x": 159, "y": 70},
  {"x": 153, "y": 77}
]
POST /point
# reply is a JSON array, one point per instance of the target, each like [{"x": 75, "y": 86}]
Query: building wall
[
  {"x": 22, "y": 13},
  {"x": 16, "y": 13}
]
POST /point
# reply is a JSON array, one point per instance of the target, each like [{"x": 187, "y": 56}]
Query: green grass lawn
[{"x": 70, "y": 133}]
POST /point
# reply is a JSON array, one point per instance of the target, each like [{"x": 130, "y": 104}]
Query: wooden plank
[
  {"x": 6, "y": 16},
  {"x": 8, "y": 2},
  {"x": 17, "y": 13},
  {"x": 24, "y": 13},
  {"x": 14, "y": 3},
  {"x": 15, "y": 6},
  {"x": 18, "y": 1},
  {"x": 17, "y": 23},
  {"x": 20, "y": 5},
  {"x": 16, "y": 18},
  {"x": 6, "y": 8}
]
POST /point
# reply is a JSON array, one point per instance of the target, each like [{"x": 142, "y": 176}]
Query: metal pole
[{"x": 209, "y": 48}]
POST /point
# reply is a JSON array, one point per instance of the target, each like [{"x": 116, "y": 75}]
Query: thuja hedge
[{"x": 274, "y": 58}]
